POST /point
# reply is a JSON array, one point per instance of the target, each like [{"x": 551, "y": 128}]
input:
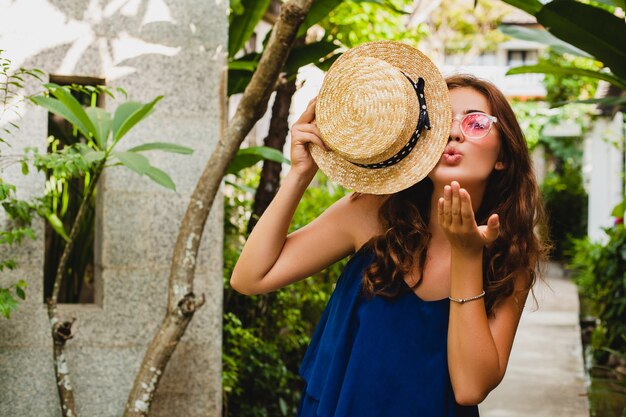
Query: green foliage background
[
  {"x": 355, "y": 22},
  {"x": 265, "y": 336},
  {"x": 601, "y": 276}
]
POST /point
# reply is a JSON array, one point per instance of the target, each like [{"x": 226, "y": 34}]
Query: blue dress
[{"x": 378, "y": 357}]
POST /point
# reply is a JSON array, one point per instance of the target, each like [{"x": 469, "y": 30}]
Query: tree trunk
[
  {"x": 61, "y": 329},
  {"x": 276, "y": 138},
  {"x": 182, "y": 303}
]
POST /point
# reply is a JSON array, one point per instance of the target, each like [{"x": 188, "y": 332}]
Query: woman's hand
[
  {"x": 303, "y": 132},
  {"x": 456, "y": 218}
]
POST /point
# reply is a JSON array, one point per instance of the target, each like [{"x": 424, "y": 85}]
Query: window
[
  {"x": 521, "y": 57},
  {"x": 64, "y": 197}
]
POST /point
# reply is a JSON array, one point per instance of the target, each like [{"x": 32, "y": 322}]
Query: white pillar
[{"x": 604, "y": 172}]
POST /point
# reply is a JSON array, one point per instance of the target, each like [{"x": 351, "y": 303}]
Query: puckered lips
[{"x": 451, "y": 155}]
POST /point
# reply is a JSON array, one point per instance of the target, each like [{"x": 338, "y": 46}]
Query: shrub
[
  {"x": 565, "y": 200},
  {"x": 601, "y": 276},
  {"x": 265, "y": 336}
]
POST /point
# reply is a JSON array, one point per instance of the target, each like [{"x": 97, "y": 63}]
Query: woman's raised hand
[
  {"x": 303, "y": 132},
  {"x": 456, "y": 218}
]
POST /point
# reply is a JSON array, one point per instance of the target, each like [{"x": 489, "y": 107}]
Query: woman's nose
[{"x": 456, "y": 133}]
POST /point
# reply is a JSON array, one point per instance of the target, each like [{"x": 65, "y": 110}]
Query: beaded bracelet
[{"x": 465, "y": 300}]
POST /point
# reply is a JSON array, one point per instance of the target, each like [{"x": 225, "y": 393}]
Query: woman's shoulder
[
  {"x": 359, "y": 205},
  {"x": 359, "y": 213}
]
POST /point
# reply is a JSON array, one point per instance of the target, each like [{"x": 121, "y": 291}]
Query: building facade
[{"x": 150, "y": 48}]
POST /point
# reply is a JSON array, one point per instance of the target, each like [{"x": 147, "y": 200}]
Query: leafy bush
[
  {"x": 601, "y": 277},
  {"x": 561, "y": 88},
  {"x": 265, "y": 336},
  {"x": 565, "y": 200}
]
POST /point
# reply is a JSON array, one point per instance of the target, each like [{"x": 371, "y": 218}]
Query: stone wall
[{"x": 173, "y": 48}]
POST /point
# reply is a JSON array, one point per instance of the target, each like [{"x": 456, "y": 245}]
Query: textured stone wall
[{"x": 173, "y": 48}]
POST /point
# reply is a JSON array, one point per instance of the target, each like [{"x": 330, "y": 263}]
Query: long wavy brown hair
[{"x": 512, "y": 193}]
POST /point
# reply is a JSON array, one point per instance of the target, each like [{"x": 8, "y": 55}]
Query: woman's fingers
[
  {"x": 456, "y": 217},
  {"x": 447, "y": 205},
  {"x": 493, "y": 228},
  {"x": 467, "y": 213},
  {"x": 306, "y": 137},
  {"x": 456, "y": 204},
  {"x": 440, "y": 215},
  {"x": 455, "y": 211},
  {"x": 307, "y": 133},
  {"x": 310, "y": 128}
]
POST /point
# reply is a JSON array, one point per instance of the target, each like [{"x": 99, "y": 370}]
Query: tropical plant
[
  {"x": 600, "y": 271},
  {"x": 566, "y": 88},
  {"x": 589, "y": 30},
  {"x": 266, "y": 336},
  {"x": 354, "y": 22},
  {"x": 565, "y": 200},
  {"x": 462, "y": 34},
  {"x": 107, "y": 130},
  {"x": 608, "y": 393},
  {"x": 17, "y": 212},
  {"x": 244, "y": 18},
  {"x": 102, "y": 132}
]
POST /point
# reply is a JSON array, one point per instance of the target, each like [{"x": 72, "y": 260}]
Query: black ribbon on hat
[{"x": 422, "y": 122}]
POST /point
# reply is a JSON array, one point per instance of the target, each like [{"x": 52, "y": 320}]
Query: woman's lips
[{"x": 451, "y": 158}]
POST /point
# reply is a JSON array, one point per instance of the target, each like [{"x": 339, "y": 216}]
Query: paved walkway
[{"x": 545, "y": 376}]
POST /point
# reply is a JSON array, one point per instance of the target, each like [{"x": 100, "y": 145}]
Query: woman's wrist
[
  {"x": 299, "y": 179},
  {"x": 467, "y": 253}
]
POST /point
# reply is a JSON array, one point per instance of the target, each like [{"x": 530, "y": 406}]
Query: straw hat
[{"x": 368, "y": 110}]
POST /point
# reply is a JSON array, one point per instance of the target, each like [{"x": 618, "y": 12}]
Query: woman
[{"x": 423, "y": 318}]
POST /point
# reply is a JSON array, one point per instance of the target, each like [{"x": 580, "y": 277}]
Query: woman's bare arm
[
  {"x": 478, "y": 347},
  {"x": 270, "y": 259}
]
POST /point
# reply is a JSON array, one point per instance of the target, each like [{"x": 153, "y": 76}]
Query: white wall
[{"x": 603, "y": 170}]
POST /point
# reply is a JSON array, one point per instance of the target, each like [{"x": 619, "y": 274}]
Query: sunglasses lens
[{"x": 475, "y": 125}]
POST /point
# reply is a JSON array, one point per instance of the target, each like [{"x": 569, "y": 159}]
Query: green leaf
[
  {"x": 242, "y": 187},
  {"x": 555, "y": 69},
  {"x": 133, "y": 161},
  {"x": 7, "y": 303},
  {"x": 612, "y": 3},
  {"x": 384, "y": 3},
  {"x": 307, "y": 54},
  {"x": 240, "y": 72},
  {"x": 128, "y": 115},
  {"x": 64, "y": 95},
  {"x": 247, "y": 157},
  {"x": 529, "y": 6},
  {"x": 55, "y": 106},
  {"x": 101, "y": 120},
  {"x": 122, "y": 113},
  {"x": 619, "y": 210},
  {"x": 94, "y": 156},
  {"x": 589, "y": 28},
  {"x": 161, "y": 178},
  {"x": 162, "y": 146},
  {"x": 542, "y": 36},
  {"x": 20, "y": 293},
  {"x": 243, "y": 65},
  {"x": 319, "y": 10},
  {"x": 236, "y": 7},
  {"x": 24, "y": 168},
  {"x": 57, "y": 226},
  {"x": 242, "y": 26},
  {"x": 7, "y": 263},
  {"x": 605, "y": 101},
  {"x": 238, "y": 80}
]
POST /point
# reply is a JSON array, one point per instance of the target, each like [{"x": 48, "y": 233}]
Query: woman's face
[{"x": 466, "y": 160}]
